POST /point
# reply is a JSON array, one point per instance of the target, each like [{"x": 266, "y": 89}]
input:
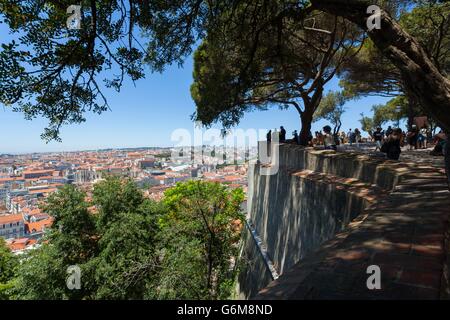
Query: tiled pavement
[{"x": 405, "y": 235}]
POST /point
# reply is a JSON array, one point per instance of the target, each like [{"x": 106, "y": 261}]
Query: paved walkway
[{"x": 405, "y": 235}]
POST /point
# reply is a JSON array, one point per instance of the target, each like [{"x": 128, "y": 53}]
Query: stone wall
[{"x": 314, "y": 195}]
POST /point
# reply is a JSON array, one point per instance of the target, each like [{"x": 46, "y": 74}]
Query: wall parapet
[{"x": 314, "y": 196}]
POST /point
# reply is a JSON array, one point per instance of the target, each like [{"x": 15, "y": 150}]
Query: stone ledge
[
  {"x": 367, "y": 191},
  {"x": 403, "y": 235},
  {"x": 383, "y": 173}
]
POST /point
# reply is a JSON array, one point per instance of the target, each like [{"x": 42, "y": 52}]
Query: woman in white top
[
  {"x": 328, "y": 140},
  {"x": 423, "y": 136}
]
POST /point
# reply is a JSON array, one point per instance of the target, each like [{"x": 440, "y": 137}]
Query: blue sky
[{"x": 146, "y": 115}]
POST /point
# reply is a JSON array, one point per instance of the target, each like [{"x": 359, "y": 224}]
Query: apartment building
[{"x": 12, "y": 226}]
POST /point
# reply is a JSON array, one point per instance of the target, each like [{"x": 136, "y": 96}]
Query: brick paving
[{"x": 405, "y": 234}]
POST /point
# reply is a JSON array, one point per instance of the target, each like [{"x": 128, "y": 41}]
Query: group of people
[
  {"x": 281, "y": 135},
  {"x": 351, "y": 137},
  {"x": 415, "y": 138},
  {"x": 418, "y": 138},
  {"x": 392, "y": 140},
  {"x": 331, "y": 141},
  {"x": 392, "y": 143},
  {"x": 389, "y": 141}
]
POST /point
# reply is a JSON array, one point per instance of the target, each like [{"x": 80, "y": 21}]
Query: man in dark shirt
[
  {"x": 378, "y": 137},
  {"x": 392, "y": 146},
  {"x": 295, "y": 136},
  {"x": 282, "y": 134},
  {"x": 389, "y": 131}
]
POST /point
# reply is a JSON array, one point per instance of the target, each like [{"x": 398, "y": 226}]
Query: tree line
[{"x": 129, "y": 247}]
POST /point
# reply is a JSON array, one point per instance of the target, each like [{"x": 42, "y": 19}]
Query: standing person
[
  {"x": 357, "y": 137},
  {"x": 412, "y": 136},
  {"x": 269, "y": 136},
  {"x": 392, "y": 146},
  {"x": 295, "y": 136},
  {"x": 402, "y": 137},
  {"x": 342, "y": 137},
  {"x": 440, "y": 140},
  {"x": 269, "y": 140},
  {"x": 378, "y": 138},
  {"x": 282, "y": 135},
  {"x": 423, "y": 136},
  {"x": 389, "y": 131},
  {"x": 349, "y": 136},
  {"x": 328, "y": 139}
]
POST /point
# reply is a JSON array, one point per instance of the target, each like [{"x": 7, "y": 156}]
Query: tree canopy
[
  {"x": 285, "y": 63},
  {"x": 56, "y": 72},
  {"x": 371, "y": 73},
  {"x": 201, "y": 233},
  {"x": 332, "y": 108},
  {"x": 185, "y": 247},
  {"x": 8, "y": 268}
]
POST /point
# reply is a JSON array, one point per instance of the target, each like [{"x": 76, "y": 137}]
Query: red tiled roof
[
  {"x": 38, "y": 226},
  {"x": 9, "y": 218},
  {"x": 49, "y": 190},
  {"x": 232, "y": 178},
  {"x": 38, "y": 172},
  {"x": 20, "y": 244}
]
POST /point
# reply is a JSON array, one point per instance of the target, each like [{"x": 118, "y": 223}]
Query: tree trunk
[
  {"x": 337, "y": 127},
  {"x": 306, "y": 118},
  {"x": 420, "y": 75},
  {"x": 311, "y": 104},
  {"x": 411, "y": 115}
]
